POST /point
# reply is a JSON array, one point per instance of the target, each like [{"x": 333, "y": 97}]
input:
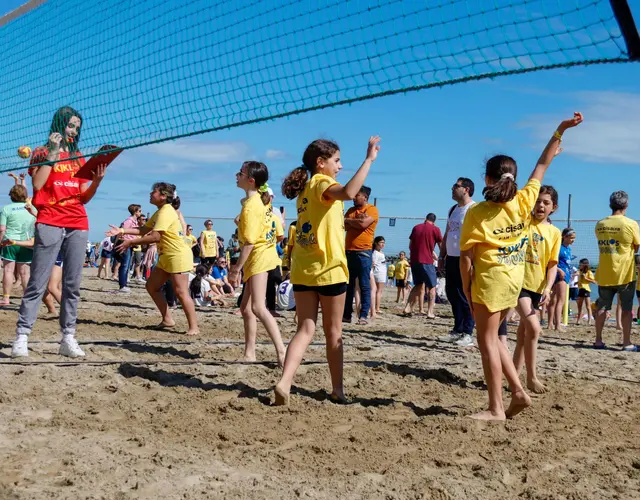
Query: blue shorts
[
  {"x": 424, "y": 274},
  {"x": 105, "y": 254}
]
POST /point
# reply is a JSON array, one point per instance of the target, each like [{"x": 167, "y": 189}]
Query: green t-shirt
[{"x": 20, "y": 224}]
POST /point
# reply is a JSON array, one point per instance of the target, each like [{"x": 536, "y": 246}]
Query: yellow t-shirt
[
  {"x": 137, "y": 248},
  {"x": 583, "y": 284},
  {"x": 542, "y": 249},
  {"x": 498, "y": 234},
  {"x": 401, "y": 269},
  {"x": 319, "y": 253},
  {"x": 616, "y": 236},
  {"x": 391, "y": 270},
  {"x": 174, "y": 255},
  {"x": 209, "y": 246},
  {"x": 190, "y": 240},
  {"x": 257, "y": 228}
]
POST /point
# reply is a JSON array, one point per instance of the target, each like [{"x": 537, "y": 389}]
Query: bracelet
[{"x": 557, "y": 135}]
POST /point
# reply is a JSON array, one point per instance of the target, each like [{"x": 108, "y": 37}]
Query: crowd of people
[{"x": 498, "y": 257}]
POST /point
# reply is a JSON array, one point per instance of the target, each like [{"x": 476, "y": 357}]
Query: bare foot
[
  {"x": 193, "y": 331},
  {"x": 237, "y": 313},
  {"x": 536, "y": 386},
  {"x": 519, "y": 401},
  {"x": 248, "y": 359},
  {"x": 282, "y": 397},
  {"x": 275, "y": 314},
  {"x": 490, "y": 416},
  {"x": 338, "y": 397}
]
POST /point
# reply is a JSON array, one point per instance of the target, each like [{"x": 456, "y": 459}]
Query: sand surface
[{"x": 152, "y": 414}]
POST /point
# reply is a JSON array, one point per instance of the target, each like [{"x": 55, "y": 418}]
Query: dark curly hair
[
  {"x": 294, "y": 183},
  {"x": 167, "y": 189}
]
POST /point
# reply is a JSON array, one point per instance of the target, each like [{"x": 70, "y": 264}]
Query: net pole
[
  {"x": 20, "y": 11},
  {"x": 569, "y": 212},
  {"x": 623, "y": 15}
]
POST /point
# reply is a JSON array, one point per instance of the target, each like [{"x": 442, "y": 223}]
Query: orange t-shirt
[
  {"x": 58, "y": 201},
  {"x": 361, "y": 239}
]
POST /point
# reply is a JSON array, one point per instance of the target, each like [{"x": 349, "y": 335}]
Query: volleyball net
[{"x": 145, "y": 71}]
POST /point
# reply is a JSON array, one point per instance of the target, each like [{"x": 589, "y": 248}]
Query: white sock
[{"x": 22, "y": 336}]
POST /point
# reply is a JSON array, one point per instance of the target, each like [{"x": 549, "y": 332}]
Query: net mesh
[{"x": 147, "y": 71}]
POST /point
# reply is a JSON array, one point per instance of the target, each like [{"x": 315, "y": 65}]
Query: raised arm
[
  {"x": 351, "y": 188},
  {"x": 553, "y": 146},
  {"x": 41, "y": 173}
]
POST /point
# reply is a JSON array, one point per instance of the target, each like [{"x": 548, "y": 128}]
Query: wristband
[
  {"x": 121, "y": 230},
  {"x": 557, "y": 135}
]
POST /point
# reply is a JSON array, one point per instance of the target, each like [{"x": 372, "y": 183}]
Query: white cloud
[
  {"x": 610, "y": 130},
  {"x": 202, "y": 152},
  {"x": 276, "y": 154}
]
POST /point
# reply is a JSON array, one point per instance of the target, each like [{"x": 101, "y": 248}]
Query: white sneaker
[
  {"x": 451, "y": 337},
  {"x": 19, "y": 348},
  {"x": 465, "y": 341},
  {"x": 125, "y": 290},
  {"x": 69, "y": 347}
]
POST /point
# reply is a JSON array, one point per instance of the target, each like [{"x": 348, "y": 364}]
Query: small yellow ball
[{"x": 24, "y": 152}]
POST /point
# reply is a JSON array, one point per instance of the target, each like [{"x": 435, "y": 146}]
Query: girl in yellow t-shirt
[
  {"x": 585, "y": 279},
  {"x": 258, "y": 256},
  {"x": 540, "y": 266},
  {"x": 493, "y": 243},
  {"x": 208, "y": 243},
  {"x": 319, "y": 271},
  {"x": 175, "y": 259}
]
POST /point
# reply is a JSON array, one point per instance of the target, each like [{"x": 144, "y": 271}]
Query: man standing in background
[
  {"x": 422, "y": 243},
  {"x": 360, "y": 223},
  {"x": 449, "y": 261}
]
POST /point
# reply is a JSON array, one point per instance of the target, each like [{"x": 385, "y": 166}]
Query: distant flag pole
[{"x": 375, "y": 201}]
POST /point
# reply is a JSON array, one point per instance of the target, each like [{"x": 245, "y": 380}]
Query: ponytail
[
  {"x": 265, "y": 197},
  {"x": 502, "y": 191},
  {"x": 195, "y": 288},
  {"x": 294, "y": 183},
  {"x": 502, "y": 170}
]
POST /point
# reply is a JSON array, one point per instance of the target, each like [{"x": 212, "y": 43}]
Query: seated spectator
[{"x": 220, "y": 272}]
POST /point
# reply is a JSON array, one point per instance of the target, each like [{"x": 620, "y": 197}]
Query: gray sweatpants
[{"x": 49, "y": 241}]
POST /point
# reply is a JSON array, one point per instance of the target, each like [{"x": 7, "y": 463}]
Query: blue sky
[{"x": 429, "y": 138}]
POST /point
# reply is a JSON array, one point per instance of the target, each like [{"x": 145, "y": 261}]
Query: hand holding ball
[{"x": 24, "y": 152}]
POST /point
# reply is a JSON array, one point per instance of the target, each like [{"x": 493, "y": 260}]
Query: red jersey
[
  {"x": 422, "y": 242},
  {"x": 58, "y": 201}
]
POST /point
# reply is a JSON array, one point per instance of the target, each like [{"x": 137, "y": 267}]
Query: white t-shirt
[
  {"x": 379, "y": 266},
  {"x": 205, "y": 288},
  {"x": 285, "y": 300},
  {"x": 454, "y": 225},
  {"x": 107, "y": 245}
]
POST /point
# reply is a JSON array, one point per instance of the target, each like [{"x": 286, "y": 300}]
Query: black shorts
[
  {"x": 400, "y": 283},
  {"x": 638, "y": 293},
  {"x": 324, "y": 290},
  {"x": 535, "y": 297},
  {"x": 584, "y": 293},
  {"x": 573, "y": 293}
]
